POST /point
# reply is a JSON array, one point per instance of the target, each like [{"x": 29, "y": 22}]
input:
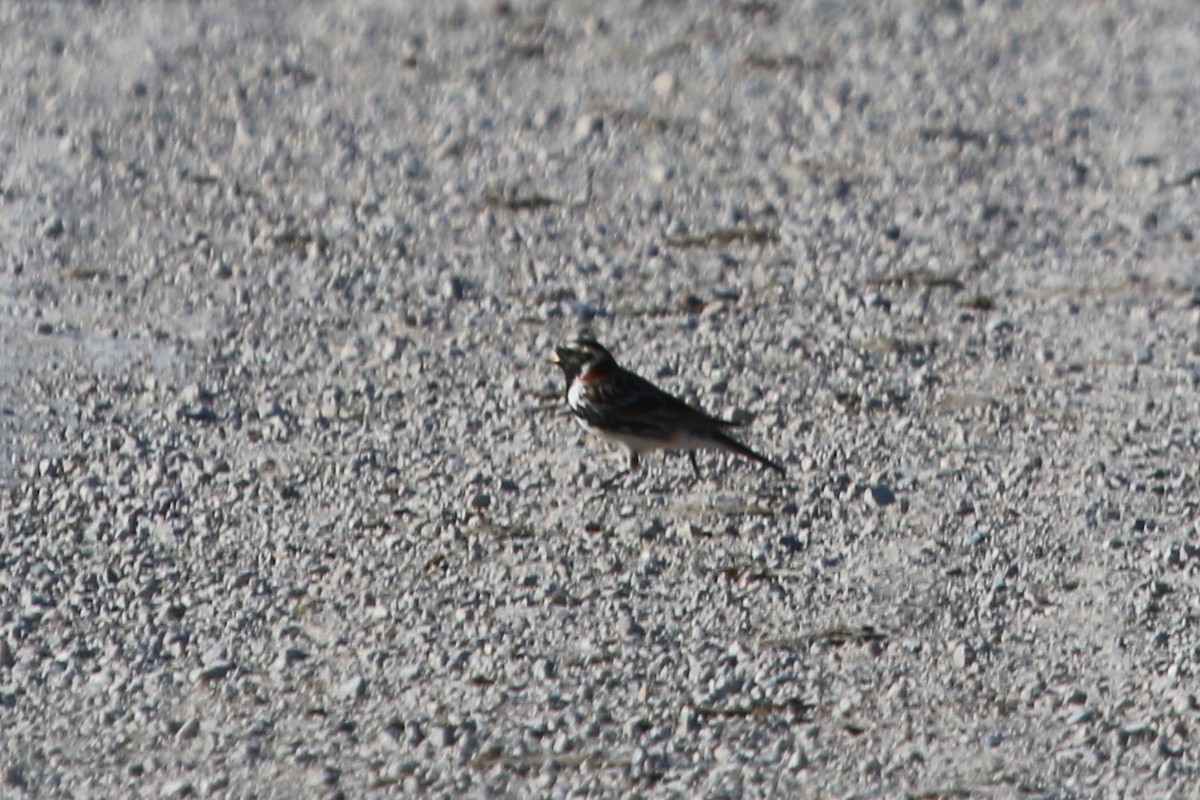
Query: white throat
[{"x": 575, "y": 395}]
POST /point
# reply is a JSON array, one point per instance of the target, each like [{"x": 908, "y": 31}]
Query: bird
[{"x": 627, "y": 409}]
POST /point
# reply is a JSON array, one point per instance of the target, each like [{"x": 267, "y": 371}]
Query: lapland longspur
[{"x": 627, "y": 409}]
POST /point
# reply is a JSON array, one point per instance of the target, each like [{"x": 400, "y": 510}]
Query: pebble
[
  {"x": 15, "y": 777},
  {"x": 453, "y": 288},
  {"x": 324, "y": 776},
  {"x": 53, "y": 228},
  {"x": 586, "y": 127},
  {"x": 391, "y": 348},
  {"x": 664, "y": 84},
  {"x": 443, "y": 736},
  {"x": 881, "y": 495},
  {"x": 198, "y": 413},
  {"x": 1082, "y": 716},
  {"x": 1000, "y": 325},
  {"x": 7, "y": 659},
  {"x": 178, "y": 788},
  {"x": 291, "y": 655},
  {"x": 189, "y": 730},
  {"x": 353, "y": 688},
  {"x": 218, "y": 783},
  {"x": 215, "y": 671},
  {"x": 962, "y": 656}
]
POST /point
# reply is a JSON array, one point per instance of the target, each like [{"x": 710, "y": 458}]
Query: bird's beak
[{"x": 554, "y": 359}]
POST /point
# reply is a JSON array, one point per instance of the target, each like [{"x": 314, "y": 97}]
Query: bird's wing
[{"x": 638, "y": 398}]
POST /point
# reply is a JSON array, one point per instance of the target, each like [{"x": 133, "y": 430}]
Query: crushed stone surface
[{"x": 289, "y": 504}]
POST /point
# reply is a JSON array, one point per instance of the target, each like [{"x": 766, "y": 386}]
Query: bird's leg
[
  {"x": 634, "y": 462},
  {"x": 608, "y": 484},
  {"x": 695, "y": 466}
]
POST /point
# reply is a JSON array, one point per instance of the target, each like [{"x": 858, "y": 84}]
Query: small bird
[{"x": 627, "y": 409}]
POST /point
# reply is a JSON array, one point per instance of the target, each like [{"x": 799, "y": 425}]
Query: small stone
[
  {"x": 44, "y": 328},
  {"x": 628, "y": 528},
  {"x": 586, "y": 126},
  {"x": 353, "y": 688},
  {"x": 218, "y": 652},
  {"x": 222, "y": 271},
  {"x": 197, "y": 413},
  {"x": 178, "y": 788},
  {"x": 594, "y": 26},
  {"x": 881, "y": 495},
  {"x": 653, "y": 529},
  {"x": 214, "y": 671},
  {"x": 393, "y": 347},
  {"x": 188, "y": 730},
  {"x": 351, "y": 349},
  {"x": 7, "y": 659},
  {"x": 664, "y": 84},
  {"x": 14, "y": 776},
  {"x": 1000, "y": 325},
  {"x": 216, "y": 783},
  {"x": 53, "y": 228},
  {"x": 194, "y": 393},
  {"x": 453, "y": 288},
  {"x": 481, "y": 500},
  {"x": 292, "y": 655},
  {"x": 1166, "y": 748},
  {"x": 963, "y": 656},
  {"x": 325, "y": 776},
  {"x": 443, "y": 736},
  {"x": 791, "y": 543}
]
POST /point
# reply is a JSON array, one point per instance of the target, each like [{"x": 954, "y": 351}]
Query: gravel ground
[{"x": 290, "y": 507}]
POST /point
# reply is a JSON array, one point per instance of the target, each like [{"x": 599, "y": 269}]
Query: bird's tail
[{"x": 734, "y": 446}]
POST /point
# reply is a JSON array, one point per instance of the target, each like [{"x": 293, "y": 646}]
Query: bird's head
[{"x": 573, "y": 356}]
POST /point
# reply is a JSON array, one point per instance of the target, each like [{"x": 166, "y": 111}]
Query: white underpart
[{"x": 574, "y": 400}]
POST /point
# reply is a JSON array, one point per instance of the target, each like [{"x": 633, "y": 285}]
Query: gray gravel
[{"x": 289, "y": 504}]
